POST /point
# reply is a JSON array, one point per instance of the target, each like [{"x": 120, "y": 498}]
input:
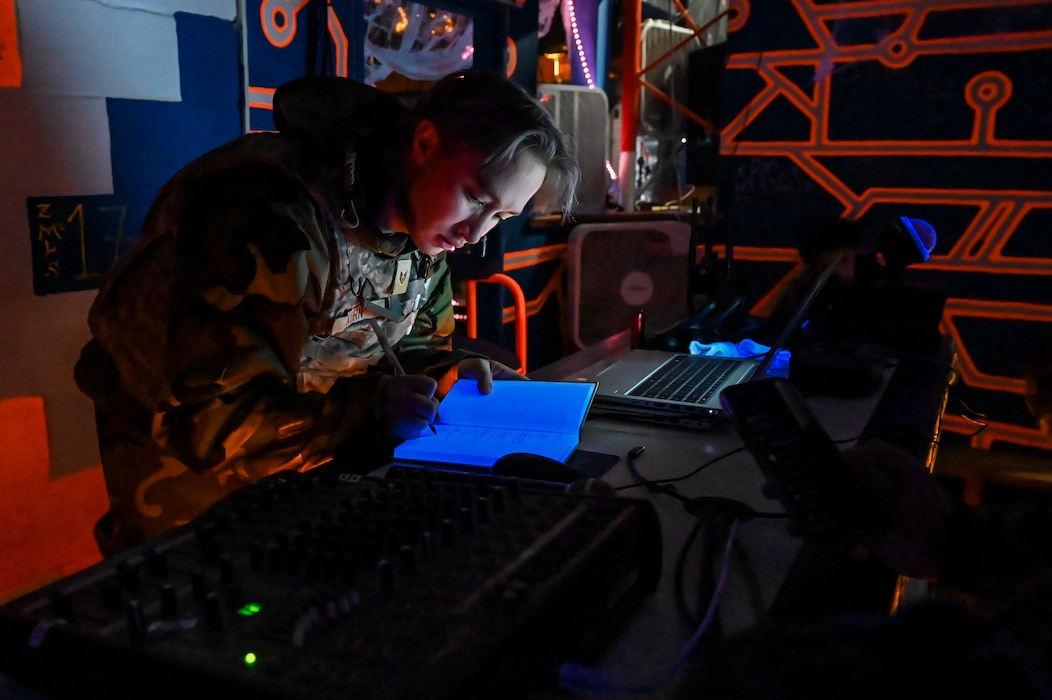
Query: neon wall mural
[{"x": 930, "y": 109}]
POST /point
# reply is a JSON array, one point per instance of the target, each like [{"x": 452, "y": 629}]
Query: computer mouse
[{"x": 525, "y": 465}]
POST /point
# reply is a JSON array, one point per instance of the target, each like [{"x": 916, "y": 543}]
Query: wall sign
[{"x": 74, "y": 241}]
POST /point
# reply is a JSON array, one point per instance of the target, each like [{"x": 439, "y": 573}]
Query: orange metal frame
[{"x": 518, "y": 310}]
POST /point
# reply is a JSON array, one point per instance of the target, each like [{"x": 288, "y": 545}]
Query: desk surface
[{"x": 771, "y": 573}]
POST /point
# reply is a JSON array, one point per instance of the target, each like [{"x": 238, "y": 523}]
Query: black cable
[
  {"x": 640, "y": 481},
  {"x": 714, "y": 534},
  {"x": 670, "y": 480},
  {"x": 752, "y": 581},
  {"x": 696, "y": 505},
  {"x": 713, "y": 323},
  {"x": 704, "y": 465},
  {"x": 679, "y": 582}
]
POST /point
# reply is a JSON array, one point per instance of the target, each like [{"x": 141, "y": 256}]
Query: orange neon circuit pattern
[{"x": 917, "y": 108}]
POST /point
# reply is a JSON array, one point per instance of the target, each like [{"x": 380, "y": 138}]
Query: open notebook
[
  {"x": 677, "y": 388},
  {"x": 475, "y": 429}
]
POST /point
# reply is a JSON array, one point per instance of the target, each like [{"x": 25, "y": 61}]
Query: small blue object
[
  {"x": 743, "y": 348},
  {"x": 923, "y": 235}
]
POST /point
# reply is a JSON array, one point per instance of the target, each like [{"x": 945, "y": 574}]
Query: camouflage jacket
[{"x": 233, "y": 340}]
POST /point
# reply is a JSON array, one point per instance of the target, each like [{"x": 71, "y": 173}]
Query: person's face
[{"x": 451, "y": 202}]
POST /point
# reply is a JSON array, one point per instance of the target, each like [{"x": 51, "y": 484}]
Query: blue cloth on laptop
[{"x": 743, "y": 348}]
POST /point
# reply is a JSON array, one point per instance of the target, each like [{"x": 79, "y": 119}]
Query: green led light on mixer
[
  {"x": 249, "y": 610},
  {"x": 250, "y": 659}
]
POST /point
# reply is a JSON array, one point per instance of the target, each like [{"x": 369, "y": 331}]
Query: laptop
[{"x": 675, "y": 388}]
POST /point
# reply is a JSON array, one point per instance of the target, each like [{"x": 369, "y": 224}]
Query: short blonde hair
[{"x": 487, "y": 112}]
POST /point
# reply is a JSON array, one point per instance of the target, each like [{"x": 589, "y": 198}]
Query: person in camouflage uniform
[{"x": 235, "y": 339}]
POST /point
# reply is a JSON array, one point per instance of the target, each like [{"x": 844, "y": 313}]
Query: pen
[{"x": 391, "y": 357}]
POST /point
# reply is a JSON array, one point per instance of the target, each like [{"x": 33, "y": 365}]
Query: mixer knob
[
  {"x": 431, "y": 515},
  {"x": 169, "y": 601},
  {"x": 61, "y": 604},
  {"x": 467, "y": 520},
  {"x": 198, "y": 584},
  {"x": 449, "y": 533},
  {"x": 303, "y": 625},
  {"x": 427, "y": 545},
  {"x": 275, "y": 560},
  {"x": 111, "y": 593},
  {"x": 156, "y": 561},
  {"x": 449, "y": 505},
  {"x": 256, "y": 556},
  {"x": 226, "y": 568},
  {"x": 496, "y": 497},
  {"x": 407, "y": 559},
  {"x": 383, "y": 568},
  {"x": 213, "y": 613},
  {"x": 128, "y": 571},
  {"x": 348, "y": 567},
  {"x": 135, "y": 619}
]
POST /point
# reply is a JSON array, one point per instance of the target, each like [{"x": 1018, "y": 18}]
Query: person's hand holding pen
[{"x": 410, "y": 402}]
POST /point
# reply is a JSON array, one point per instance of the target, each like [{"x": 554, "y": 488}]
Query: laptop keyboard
[{"x": 687, "y": 378}]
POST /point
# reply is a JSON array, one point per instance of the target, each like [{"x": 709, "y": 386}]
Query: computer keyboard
[{"x": 687, "y": 378}]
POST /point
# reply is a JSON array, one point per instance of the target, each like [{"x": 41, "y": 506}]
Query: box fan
[
  {"x": 616, "y": 270},
  {"x": 583, "y": 115}
]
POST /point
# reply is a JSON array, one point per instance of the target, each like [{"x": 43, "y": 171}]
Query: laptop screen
[{"x": 798, "y": 317}]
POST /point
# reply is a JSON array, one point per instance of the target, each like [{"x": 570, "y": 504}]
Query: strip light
[{"x": 578, "y": 43}]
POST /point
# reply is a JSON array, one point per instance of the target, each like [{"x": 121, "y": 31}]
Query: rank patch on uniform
[{"x": 401, "y": 276}]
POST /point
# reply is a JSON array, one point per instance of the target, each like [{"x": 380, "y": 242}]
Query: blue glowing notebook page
[{"x": 476, "y": 429}]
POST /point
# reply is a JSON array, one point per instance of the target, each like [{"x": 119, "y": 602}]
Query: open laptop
[{"x": 676, "y": 388}]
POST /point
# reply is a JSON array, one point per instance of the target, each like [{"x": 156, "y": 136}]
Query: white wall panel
[
  {"x": 95, "y": 49},
  {"x": 223, "y": 9}
]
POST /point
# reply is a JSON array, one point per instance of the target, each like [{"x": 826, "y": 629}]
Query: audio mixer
[{"x": 326, "y": 584}]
